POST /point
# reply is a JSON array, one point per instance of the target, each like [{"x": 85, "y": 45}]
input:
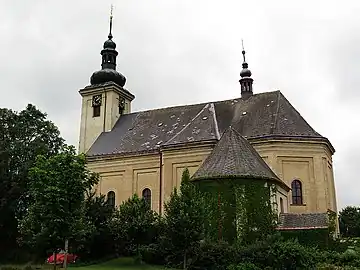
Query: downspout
[{"x": 160, "y": 179}]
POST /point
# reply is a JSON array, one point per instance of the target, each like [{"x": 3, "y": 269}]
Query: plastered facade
[{"x": 307, "y": 161}]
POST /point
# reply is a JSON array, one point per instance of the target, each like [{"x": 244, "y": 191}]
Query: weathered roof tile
[
  {"x": 233, "y": 156},
  {"x": 293, "y": 221},
  {"x": 260, "y": 115}
]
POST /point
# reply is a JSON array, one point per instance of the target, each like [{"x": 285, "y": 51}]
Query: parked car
[{"x": 60, "y": 257}]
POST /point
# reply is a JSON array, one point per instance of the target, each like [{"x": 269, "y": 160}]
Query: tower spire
[
  {"x": 110, "y": 36},
  {"x": 108, "y": 64},
  {"x": 246, "y": 80}
]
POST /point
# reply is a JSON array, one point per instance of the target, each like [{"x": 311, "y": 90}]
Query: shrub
[
  {"x": 349, "y": 258},
  {"x": 152, "y": 254},
  {"x": 292, "y": 255},
  {"x": 278, "y": 255},
  {"x": 244, "y": 266},
  {"x": 315, "y": 237},
  {"x": 213, "y": 256}
]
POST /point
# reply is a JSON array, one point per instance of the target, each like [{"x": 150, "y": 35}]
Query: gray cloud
[{"x": 177, "y": 52}]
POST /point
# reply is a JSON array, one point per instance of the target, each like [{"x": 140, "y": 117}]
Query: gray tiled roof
[
  {"x": 233, "y": 156},
  {"x": 292, "y": 221},
  {"x": 264, "y": 114}
]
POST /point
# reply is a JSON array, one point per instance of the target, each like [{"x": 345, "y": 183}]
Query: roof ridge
[
  {"x": 274, "y": 126},
  {"x": 188, "y": 124},
  {"x": 213, "y": 111},
  {"x": 256, "y": 154},
  {"x": 200, "y": 103},
  {"x": 297, "y": 112}
]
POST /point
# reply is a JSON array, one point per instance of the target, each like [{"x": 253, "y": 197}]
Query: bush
[
  {"x": 244, "y": 266},
  {"x": 349, "y": 258},
  {"x": 315, "y": 237},
  {"x": 278, "y": 255},
  {"x": 292, "y": 255},
  {"x": 152, "y": 254},
  {"x": 213, "y": 256}
]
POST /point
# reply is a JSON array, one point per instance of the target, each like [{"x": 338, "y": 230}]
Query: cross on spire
[
  {"x": 243, "y": 50},
  {"x": 111, "y": 17}
]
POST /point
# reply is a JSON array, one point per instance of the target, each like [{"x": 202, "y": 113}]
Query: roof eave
[
  {"x": 151, "y": 151},
  {"x": 324, "y": 140},
  {"x": 219, "y": 177},
  {"x": 107, "y": 86}
]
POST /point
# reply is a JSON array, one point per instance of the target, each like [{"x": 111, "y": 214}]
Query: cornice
[
  {"x": 157, "y": 151},
  {"x": 109, "y": 86},
  {"x": 290, "y": 139}
]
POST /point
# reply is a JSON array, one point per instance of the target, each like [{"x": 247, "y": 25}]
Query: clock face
[
  {"x": 122, "y": 103},
  {"x": 96, "y": 100}
]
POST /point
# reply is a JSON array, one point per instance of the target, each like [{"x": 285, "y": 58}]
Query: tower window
[
  {"x": 111, "y": 198},
  {"x": 96, "y": 104},
  {"x": 297, "y": 196},
  {"x": 96, "y": 111},
  {"x": 147, "y": 196},
  {"x": 121, "y": 105}
]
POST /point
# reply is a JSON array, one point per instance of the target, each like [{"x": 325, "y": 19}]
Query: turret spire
[{"x": 246, "y": 80}]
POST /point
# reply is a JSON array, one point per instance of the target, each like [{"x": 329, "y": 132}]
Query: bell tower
[
  {"x": 246, "y": 82},
  {"x": 105, "y": 99}
]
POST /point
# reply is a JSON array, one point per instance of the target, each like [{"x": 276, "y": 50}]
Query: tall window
[
  {"x": 281, "y": 205},
  {"x": 96, "y": 111},
  {"x": 147, "y": 196},
  {"x": 111, "y": 198},
  {"x": 297, "y": 197}
]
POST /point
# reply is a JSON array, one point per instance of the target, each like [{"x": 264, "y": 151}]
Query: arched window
[
  {"x": 281, "y": 205},
  {"x": 147, "y": 196},
  {"x": 297, "y": 197},
  {"x": 111, "y": 198}
]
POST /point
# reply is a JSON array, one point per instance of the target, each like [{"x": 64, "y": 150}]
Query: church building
[{"x": 256, "y": 134}]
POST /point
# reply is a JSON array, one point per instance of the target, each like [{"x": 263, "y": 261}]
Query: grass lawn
[
  {"x": 121, "y": 264},
  {"x": 116, "y": 264}
]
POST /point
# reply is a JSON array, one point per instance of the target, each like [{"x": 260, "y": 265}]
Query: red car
[{"x": 60, "y": 257}]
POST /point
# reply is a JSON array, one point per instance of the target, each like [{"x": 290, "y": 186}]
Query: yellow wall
[
  {"x": 309, "y": 162},
  {"x": 128, "y": 175}
]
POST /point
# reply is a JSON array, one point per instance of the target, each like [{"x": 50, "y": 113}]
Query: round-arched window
[
  {"x": 147, "y": 196},
  {"x": 296, "y": 189},
  {"x": 111, "y": 198}
]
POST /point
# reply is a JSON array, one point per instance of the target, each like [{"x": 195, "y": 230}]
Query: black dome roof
[
  {"x": 109, "y": 44},
  {"x": 245, "y": 73},
  {"x": 107, "y": 75}
]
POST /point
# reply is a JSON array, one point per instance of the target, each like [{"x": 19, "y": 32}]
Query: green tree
[
  {"x": 134, "y": 224},
  {"x": 349, "y": 221},
  {"x": 100, "y": 242},
  {"x": 23, "y": 136},
  {"x": 184, "y": 221},
  {"x": 57, "y": 189}
]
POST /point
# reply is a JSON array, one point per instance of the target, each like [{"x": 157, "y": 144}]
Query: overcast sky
[{"x": 179, "y": 52}]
